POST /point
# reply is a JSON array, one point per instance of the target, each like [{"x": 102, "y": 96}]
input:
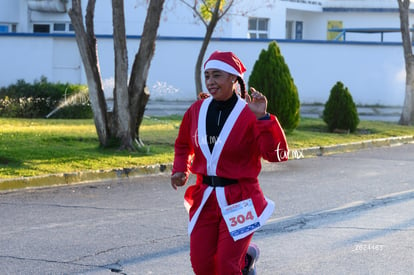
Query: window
[
  {"x": 43, "y": 28},
  {"x": 289, "y": 29},
  {"x": 4, "y": 28},
  {"x": 62, "y": 27},
  {"x": 294, "y": 30},
  {"x": 59, "y": 27},
  {"x": 299, "y": 30},
  {"x": 258, "y": 27}
]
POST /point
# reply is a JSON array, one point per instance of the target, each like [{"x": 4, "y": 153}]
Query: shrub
[
  {"x": 74, "y": 111},
  {"x": 340, "y": 112},
  {"x": 271, "y": 76},
  {"x": 39, "y": 99}
]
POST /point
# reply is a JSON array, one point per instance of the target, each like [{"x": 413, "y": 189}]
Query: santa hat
[{"x": 225, "y": 61}]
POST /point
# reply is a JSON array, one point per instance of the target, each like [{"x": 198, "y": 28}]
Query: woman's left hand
[
  {"x": 178, "y": 179},
  {"x": 257, "y": 102}
]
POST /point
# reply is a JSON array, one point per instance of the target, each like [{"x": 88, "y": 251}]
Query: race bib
[{"x": 241, "y": 219}]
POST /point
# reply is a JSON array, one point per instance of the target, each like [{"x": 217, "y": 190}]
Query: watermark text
[{"x": 368, "y": 247}]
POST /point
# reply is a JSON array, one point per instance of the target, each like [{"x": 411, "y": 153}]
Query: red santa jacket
[{"x": 237, "y": 154}]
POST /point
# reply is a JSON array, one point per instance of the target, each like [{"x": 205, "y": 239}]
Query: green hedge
[{"x": 44, "y": 99}]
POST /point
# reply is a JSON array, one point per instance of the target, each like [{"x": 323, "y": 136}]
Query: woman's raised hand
[{"x": 257, "y": 102}]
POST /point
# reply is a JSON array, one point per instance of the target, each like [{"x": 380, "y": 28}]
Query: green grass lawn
[{"x": 32, "y": 147}]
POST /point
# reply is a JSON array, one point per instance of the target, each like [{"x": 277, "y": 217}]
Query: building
[
  {"x": 314, "y": 36},
  {"x": 274, "y": 19}
]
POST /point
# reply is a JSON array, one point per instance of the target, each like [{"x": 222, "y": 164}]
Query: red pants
[{"x": 212, "y": 250}]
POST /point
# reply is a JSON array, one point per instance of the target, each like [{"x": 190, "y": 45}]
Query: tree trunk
[
  {"x": 88, "y": 50},
  {"x": 120, "y": 126},
  {"x": 407, "y": 115},
  {"x": 129, "y": 101},
  {"x": 209, "y": 33},
  {"x": 138, "y": 93}
]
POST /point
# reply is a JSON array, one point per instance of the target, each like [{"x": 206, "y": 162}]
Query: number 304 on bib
[{"x": 241, "y": 219}]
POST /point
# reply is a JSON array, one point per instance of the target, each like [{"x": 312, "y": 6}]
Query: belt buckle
[{"x": 213, "y": 182}]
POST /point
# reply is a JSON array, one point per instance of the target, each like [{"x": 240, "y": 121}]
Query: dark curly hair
[{"x": 242, "y": 87}]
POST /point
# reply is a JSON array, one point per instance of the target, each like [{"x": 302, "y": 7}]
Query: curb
[
  {"x": 303, "y": 221},
  {"x": 82, "y": 177},
  {"x": 124, "y": 173},
  {"x": 318, "y": 151},
  {"x": 347, "y": 147}
]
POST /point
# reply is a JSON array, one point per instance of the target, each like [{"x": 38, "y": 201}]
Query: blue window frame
[{"x": 4, "y": 28}]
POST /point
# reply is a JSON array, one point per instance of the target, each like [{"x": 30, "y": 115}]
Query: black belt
[{"x": 216, "y": 181}]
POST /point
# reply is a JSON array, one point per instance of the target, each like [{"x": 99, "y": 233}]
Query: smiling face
[{"x": 219, "y": 84}]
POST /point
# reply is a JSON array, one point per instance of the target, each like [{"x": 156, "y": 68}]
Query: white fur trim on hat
[{"x": 223, "y": 66}]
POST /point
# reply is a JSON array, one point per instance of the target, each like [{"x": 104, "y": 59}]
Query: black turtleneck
[{"x": 217, "y": 114}]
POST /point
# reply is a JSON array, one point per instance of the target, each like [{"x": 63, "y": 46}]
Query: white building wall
[
  {"x": 11, "y": 13},
  {"x": 178, "y": 19},
  {"x": 240, "y": 13},
  {"x": 374, "y": 73},
  {"x": 314, "y": 22},
  {"x": 66, "y": 62},
  {"x": 278, "y": 24}
]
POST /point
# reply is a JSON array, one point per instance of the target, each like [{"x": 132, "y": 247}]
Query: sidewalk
[
  {"x": 381, "y": 113},
  {"x": 385, "y": 113}
]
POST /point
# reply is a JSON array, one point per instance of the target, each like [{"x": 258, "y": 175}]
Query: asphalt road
[{"x": 349, "y": 213}]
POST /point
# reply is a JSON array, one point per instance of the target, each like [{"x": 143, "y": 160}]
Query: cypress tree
[
  {"x": 340, "y": 111},
  {"x": 271, "y": 76}
]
